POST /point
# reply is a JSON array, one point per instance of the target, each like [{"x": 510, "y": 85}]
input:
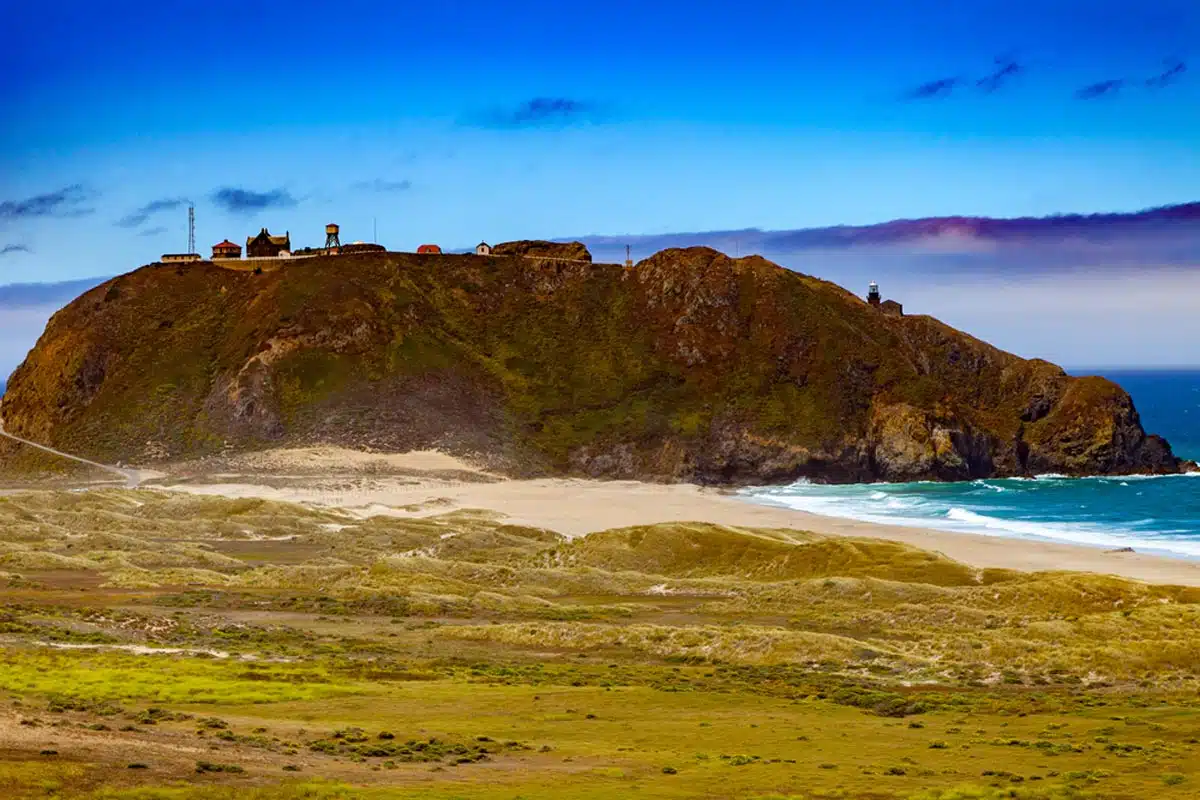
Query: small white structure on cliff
[{"x": 886, "y": 306}]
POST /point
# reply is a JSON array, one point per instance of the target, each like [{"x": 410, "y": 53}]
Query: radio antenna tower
[{"x": 191, "y": 228}]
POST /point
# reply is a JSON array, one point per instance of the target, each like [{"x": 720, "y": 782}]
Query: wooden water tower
[{"x": 331, "y": 237}]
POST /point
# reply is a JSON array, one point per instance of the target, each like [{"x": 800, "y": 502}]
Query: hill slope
[{"x": 689, "y": 366}]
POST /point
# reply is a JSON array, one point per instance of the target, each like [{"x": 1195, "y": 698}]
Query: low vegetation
[{"x": 163, "y": 645}]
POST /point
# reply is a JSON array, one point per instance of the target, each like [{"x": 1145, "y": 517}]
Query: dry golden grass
[{"x": 751, "y": 663}]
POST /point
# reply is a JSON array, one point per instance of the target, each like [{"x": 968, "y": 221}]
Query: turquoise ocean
[{"x": 1150, "y": 514}]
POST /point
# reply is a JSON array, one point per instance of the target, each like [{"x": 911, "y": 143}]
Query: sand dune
[{"x": 426, "y": 483}]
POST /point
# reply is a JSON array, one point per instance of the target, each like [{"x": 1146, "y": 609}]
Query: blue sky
[{"x": 455, "y": 121}]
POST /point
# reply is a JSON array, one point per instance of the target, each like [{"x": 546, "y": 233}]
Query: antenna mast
[{"x": 191, "y": 228}]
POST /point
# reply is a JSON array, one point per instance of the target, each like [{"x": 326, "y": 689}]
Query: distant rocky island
[{"x": 687, "y": 366}]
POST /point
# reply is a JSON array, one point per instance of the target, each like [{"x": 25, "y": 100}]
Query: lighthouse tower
[{"x": 873, "y": 294}]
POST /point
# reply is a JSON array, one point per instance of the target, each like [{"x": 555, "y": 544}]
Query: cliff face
[{"x": 690, "y": 366}]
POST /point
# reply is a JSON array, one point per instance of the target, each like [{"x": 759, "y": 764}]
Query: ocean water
[{"x": 1150, "y": 514}]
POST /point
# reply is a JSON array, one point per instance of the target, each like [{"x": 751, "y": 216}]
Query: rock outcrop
[
  {"x": 690, "y": 366},
  {"x": 537, "y": 248}
]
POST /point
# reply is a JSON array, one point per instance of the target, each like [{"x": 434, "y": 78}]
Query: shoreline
[
  {"x": 427, "y": 483},
  {"x": 909, "y": 508},
  {"x": 415, "y": 485}
]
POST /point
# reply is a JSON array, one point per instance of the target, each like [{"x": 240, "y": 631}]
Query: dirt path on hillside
[{"x": 133, "y": 477}]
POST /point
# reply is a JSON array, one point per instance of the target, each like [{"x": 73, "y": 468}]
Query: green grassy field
[{"x": 162, "y": 645}]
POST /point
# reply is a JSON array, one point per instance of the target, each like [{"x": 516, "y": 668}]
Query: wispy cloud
[
  {"x": 32, "y": 295},
  {"x": 1173, "y": 70},
  {"x": 539, "y": 112},
  {"x": 138, "y": 217},
  {"x": 1068, "y": 321},
  {"x": 24, "y": 310},
  {"x": 66, "y": 202},
  {"x": 1164, "y": 235},
  {"x": 934, "y": 89},
  {"x": 9, "y": 249},
  {"x": 155, "y": 231},
  {"x": 1006, "y": 70},
  {"x": 381, "y": 185},
  {"x": 1100, "y": 89},
  {"x": 245, "y": 201}
]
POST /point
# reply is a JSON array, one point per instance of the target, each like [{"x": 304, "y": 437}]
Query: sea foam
[{"x": 1148, "y": 513}]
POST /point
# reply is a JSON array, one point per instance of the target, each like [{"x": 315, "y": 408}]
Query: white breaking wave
[
  {"x": 884, "y": 504},
  {"x": 1147, "y": 477},
  {"x": 1075, "y": 533}
]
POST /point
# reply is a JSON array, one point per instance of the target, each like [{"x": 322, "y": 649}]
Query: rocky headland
[{"x": 689, "y": 366}]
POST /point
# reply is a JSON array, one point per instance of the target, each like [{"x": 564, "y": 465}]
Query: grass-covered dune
[
  {"x": 164, "y": 645},
  {"x": 688, "y": 366}
]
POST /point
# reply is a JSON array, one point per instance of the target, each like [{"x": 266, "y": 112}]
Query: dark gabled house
[{"x": 264, "y": 245}]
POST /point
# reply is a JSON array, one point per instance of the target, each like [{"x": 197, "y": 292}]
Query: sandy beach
[{"x": 426, "y": 483}]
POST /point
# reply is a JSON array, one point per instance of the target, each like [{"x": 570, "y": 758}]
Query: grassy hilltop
[
  {"x": 160, "y": 645},
  {"x": 689, "y": 366}
]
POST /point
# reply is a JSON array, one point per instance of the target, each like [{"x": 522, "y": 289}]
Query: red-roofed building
[
  {"x": 226, "y": 249},
  {"x": 429, "y": 248}
]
